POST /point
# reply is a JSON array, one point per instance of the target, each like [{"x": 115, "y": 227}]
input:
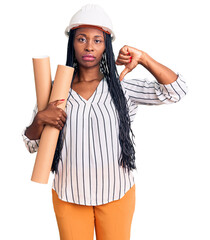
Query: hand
[
  {"x": 130, "y": 57},
  {"x": 53, "y": 115}
]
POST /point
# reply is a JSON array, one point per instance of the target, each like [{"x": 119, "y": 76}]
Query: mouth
[{"x": 88, "y": 57}]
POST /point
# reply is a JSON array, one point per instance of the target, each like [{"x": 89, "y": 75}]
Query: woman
[{"x": 94, "y": 158}]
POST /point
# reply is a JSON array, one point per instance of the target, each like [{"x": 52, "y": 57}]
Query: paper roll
[
  {"x": 43, "y": 84},
  {"x": 49, "y": 136}
]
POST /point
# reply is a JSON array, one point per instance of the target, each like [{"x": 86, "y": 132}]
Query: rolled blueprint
[
  {"x": 49, "y": 136},
  {"x": 42, "y": 76}
]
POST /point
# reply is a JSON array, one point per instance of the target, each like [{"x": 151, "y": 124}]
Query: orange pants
[{"x": 112, "y": 220}]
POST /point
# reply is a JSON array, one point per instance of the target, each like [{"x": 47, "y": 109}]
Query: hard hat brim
[{"x": 67, "y": 30}]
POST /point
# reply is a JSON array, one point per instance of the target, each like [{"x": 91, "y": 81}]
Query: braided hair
[{"x": 109, "y": 70}]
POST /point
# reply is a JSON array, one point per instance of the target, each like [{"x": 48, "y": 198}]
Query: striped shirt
[{"x": 88, "y": 172}]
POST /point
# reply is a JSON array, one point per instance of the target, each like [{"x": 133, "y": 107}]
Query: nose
[{"x": 88, "y": 46}]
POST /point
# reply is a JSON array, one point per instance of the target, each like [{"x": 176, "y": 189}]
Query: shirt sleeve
[
  {"x": 142, "y": 91},
  {"x": 31, "y": 145}
]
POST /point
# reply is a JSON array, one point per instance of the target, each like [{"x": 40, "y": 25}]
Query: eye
[
  {"x": 81, "y": 39},
  {"x": 98, "y": 41}
]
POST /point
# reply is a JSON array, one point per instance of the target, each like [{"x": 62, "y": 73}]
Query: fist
[
  {"x": 53, "y": 115},
  {"x": 130, "y": 57}
]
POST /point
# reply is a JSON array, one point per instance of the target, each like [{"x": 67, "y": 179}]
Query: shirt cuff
[
  {"x": 176, "y": 90},
  {"x": 31, "y": 145}
]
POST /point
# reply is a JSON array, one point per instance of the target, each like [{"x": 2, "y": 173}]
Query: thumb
[
  {"x": 59, "y": 101},
  {"x": 123, "y": 73}
]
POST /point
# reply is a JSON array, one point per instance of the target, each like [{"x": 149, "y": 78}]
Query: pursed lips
[{"x": 88, "y": 57}]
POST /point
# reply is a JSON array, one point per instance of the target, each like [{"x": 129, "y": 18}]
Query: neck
[{"x": 89, "y": 74}]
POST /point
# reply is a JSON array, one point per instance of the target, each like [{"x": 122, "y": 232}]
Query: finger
[
  {"x": 119, "y": 63},
  {"x": 59, "y": 101},
  {"x": 62, "y": 116},
  {"x": 62, "y": 112},
  {"x": 63, "y": 119},
  {"x": 123, "y": 61},
  {"x": 58, "y": 125},
  {"x": 61, "y": 123},
  {"x": 124, "y": 50},
  {"x": 123, "y": 73},
  {"x": 124, "y": 56}
]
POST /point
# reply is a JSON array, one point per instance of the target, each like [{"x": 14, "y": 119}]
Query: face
[{"x": 89, "y": 45}]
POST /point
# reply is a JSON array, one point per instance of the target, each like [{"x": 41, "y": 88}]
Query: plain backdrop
[{"x": 172, "y": 141}]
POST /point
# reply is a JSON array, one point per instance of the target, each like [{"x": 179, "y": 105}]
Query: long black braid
[{"x": 109, "y": 70}]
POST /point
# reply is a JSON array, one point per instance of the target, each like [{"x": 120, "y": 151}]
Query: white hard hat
[{"x": 91, "y": 14}]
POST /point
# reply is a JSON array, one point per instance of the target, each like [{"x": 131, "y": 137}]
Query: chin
[{"x": 88, "y": 64}]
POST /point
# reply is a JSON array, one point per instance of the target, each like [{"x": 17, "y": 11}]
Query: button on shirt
[{"x": 88, "y": 171}]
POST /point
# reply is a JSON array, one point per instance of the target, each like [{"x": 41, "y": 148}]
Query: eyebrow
[{"x": 86, "y": 35}]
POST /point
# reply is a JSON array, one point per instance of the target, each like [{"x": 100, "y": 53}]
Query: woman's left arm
[
  {"x": 131, "y": 57},
  {"x": 169, "y": 87}
]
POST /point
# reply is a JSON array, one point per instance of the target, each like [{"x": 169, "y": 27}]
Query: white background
[{"x": 172, "y": 141}]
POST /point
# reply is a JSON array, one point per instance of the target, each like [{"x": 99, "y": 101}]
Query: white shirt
[{"x": 89, "y": 173}]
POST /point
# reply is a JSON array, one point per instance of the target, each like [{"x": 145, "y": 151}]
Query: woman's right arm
[
  {"x": 51, "y": 115},
  {"x": 33, "y": 132}
]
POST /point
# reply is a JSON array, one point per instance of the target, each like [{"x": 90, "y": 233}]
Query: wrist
[
  {"x": 143, "y": 58},
  {"x": 39, "y": 119}
]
